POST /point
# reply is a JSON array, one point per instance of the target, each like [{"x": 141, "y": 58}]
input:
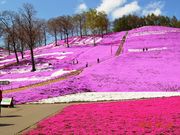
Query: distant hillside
[{"x": 150, "y": 62}]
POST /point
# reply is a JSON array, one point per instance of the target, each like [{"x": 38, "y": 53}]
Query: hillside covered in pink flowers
[{"x": 149, "y": 62}]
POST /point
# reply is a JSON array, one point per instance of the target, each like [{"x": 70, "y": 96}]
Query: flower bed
[
  {"x": 152, "y": 116},
  {"x": 48, "y": 91}
]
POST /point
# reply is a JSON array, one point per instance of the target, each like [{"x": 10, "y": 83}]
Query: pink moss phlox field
[
  {"x": 62, "y": 88},
  {"x": 83, "y": 53},
  {"x": 152, "y": 116},
  {"x": 156, "y": 69}
]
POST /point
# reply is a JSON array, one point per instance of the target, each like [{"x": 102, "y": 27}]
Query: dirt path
[
  {"x": 15, "y": 120},
  {"x": 75, "y": 73},
  {"x": 120, "y": 49}
]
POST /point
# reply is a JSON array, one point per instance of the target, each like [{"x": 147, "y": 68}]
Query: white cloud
[
  {"x": 109, "y": 5},
  {"x": 154, "y": 7},
  {"x": 118, "y": 8},
  {"x": 3, "y": 2},
  {"x": 127, "y": 9},
  {"x": 82, "y": 7}
]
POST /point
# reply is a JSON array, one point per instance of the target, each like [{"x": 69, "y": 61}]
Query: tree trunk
[
  {"x": 14, "y": 46},
  {"x": 72, "y": 32},
  {"x": 102, "y": 35},
  {"x": 61, "y": 36},
  {"x": 22, "y": 48},
  {"x": 22, "y": 55},
  {"x": 94, "y": 38},
  {"x": 8, "y": 45},
  {"x": 45, "y": 40},
  {"x": 39, "y": 41},
  {"x": 32, "y": 60},
  {"x": 55, "y": 36},
  {"x": 67, "y": 40},
  {"x": 77, "y": 32},
  {"x": 80, "y": 29}
]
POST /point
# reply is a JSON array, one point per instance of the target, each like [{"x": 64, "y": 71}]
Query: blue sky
[{"x": 114, "y": 8}]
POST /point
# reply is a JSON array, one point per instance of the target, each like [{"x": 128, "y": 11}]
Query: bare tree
[
  {"x": 44, "y": 31},
  {"x": 53, "y": 28},
  {"x": 78, "y": 20},
  {"x": 7, "y": 19},
  {"x": 21, "y": 35},
  {"x": 30, "y": 25},
  {"x": 66, "y": 26},
  {"x": 7, "y": 44}
]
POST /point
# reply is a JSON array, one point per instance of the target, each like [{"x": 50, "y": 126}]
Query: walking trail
[{"x": 15, "y": 120}]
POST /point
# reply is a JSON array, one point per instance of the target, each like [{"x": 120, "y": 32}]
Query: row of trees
[
  {"x": 24, "y": 31},
  {"x": 91, "y": 22},
  {"x": 133, "y": 21}
]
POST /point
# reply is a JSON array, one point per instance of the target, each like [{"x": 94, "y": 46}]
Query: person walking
[
  {"x": 87, "y": 64},
  {"x": 98, "y": 61}
]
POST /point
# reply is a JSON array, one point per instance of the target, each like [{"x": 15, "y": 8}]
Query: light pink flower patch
[{"x": 152, "y": 116}]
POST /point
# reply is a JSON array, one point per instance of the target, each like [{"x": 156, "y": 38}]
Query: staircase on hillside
[{"x": 120, "y": 48}]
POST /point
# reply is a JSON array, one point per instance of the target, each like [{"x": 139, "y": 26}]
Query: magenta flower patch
[{"x": 152, "y": 116}]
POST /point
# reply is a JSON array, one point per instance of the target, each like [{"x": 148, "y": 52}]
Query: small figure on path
[
  {"x": 98, "y": 61},
  {"x": 73, "y": 61},
  {"x": 77, "y": 61},
  {"x": 143, "y": 49},
  {"x": 87, "y": 64},
  {"x": 146, "y": 49}
]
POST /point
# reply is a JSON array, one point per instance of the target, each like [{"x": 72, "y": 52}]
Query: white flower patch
[
  {"x": 74, "y": 39},
  {"x": 157, "y": 49},
  {"x": 34, "y": 78},
  {"x": 149, "y": 49},
  {"x": 54, "y": 53},
  {"x": 83, "y": 41},
  {"x": 66, "y": 53},
  {"x": 106, "y": 96},
  {"x": 88, "y": 40},
  {"x": 61, "y": 72},
  {"x": 98, "y": 40},
  {"x": 61, "y": 57},
  {"x": 27, "y": 68},
  {"x": 145, "y": 33},
  {"x": 1, "y": 65},
  {"x": 7, "y": 60}
]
